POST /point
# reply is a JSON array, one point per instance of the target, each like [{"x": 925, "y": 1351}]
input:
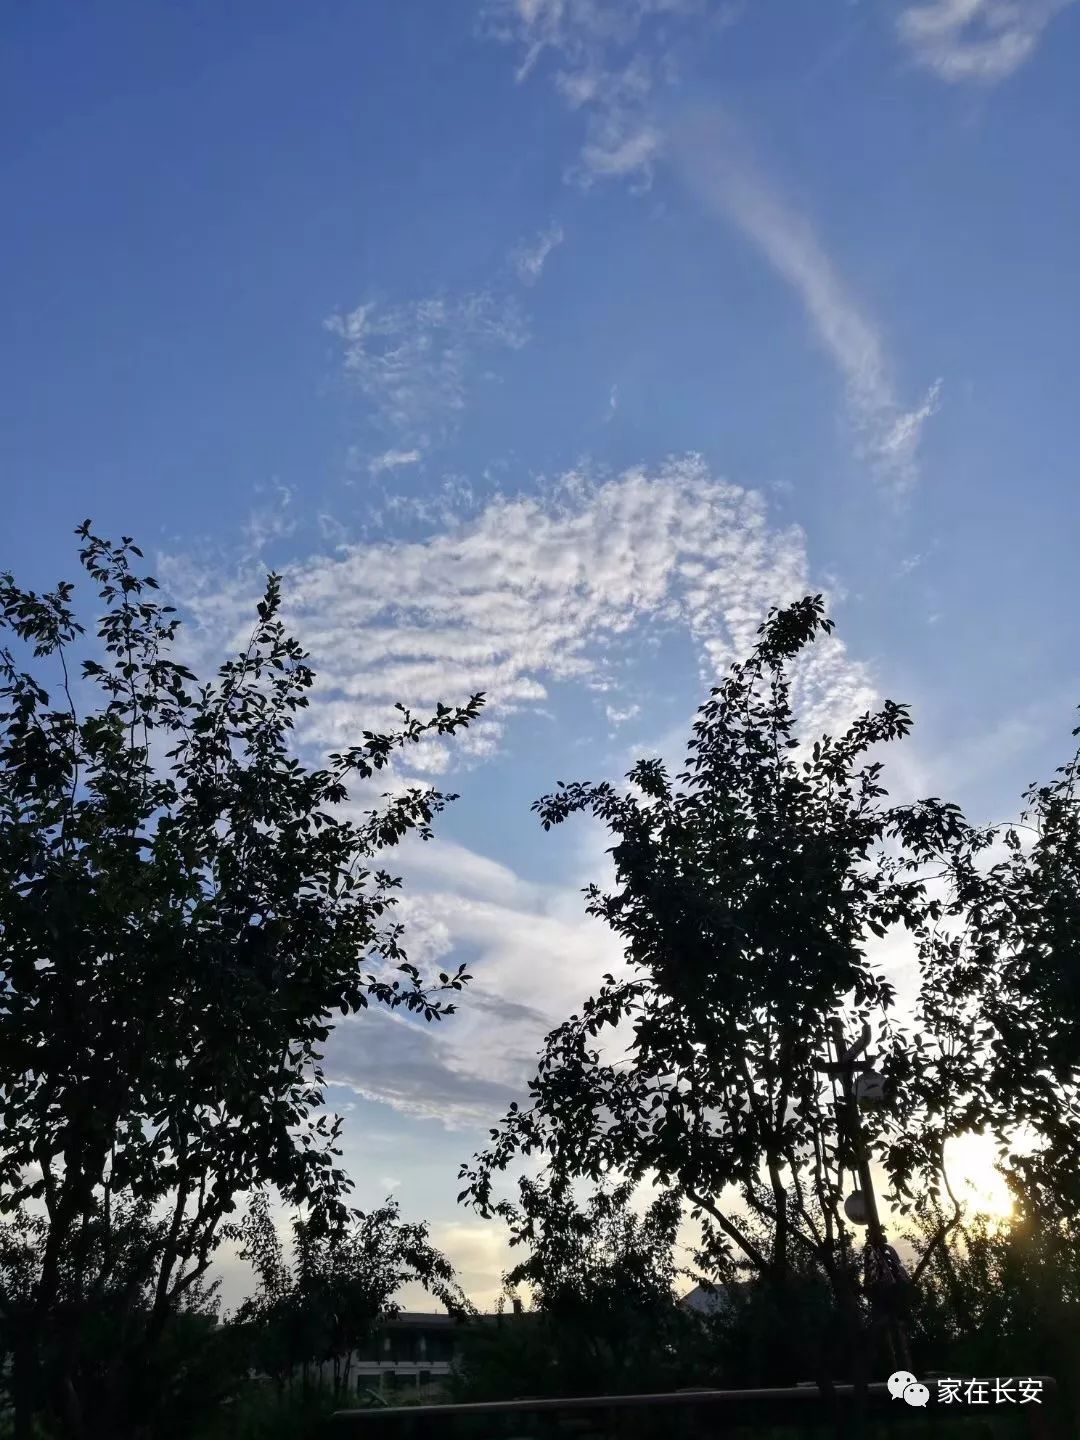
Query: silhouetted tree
[
  {"x": 339, "y": 1289},
  {"x": 1001, "y": 1298},
  {"x": 604, "y": 1316},
  {"x": 746, "y": 892},
  {"x": 763, "y": 1334},
  {"x": 1011, "y": 947},
  {"x": 197, "y": 1365},
  {"x": 182, "y": 910}
]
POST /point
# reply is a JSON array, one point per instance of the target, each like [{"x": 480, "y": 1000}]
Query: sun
[{"x": 976, "y": 1182}]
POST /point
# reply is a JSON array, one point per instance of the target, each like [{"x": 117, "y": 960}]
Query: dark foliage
[
  {"x": 604, "y": 1317},
  {"x": 746, "y": 892},
  {"x": 182, "y": 912},
  {"x": 339, "y": 1290}
]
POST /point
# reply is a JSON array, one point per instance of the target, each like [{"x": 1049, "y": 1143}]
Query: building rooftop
[
  {"x": 435, "y": 1319},
  {"x": 707, "y": 1299}
]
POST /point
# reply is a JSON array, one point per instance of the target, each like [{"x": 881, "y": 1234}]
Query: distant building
[
  {"x": 413, "y": 1350},
  {"x": 707, "y": 1299}
]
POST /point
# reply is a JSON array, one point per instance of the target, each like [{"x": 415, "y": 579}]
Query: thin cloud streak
[
  {"x": 394, "y": 460},
  {"x": 609, "y": 67},
  {"x": 888, "y": 434}
]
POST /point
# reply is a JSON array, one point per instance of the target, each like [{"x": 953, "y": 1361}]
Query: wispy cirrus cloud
[
  {"x": 980, "y": 41},
  {"x": 888, "y": 432},
  {"x": 574, "y": 32},
  {"x": 530, "y": 257},
  {"x": 415, "y": 363},
  {"x": 271, "y": 519},
  {"x": 607, "y": 58}
]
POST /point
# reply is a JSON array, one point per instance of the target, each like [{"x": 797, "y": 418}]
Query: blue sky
[{"x": 544, "y": 344}]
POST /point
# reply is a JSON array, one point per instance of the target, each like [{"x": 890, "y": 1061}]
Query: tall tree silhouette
[
  {"x": 339, "y": 1289},
  {"x": 182, "y": 911},
  {"x": 1011, "y": 945},
  {"x": 747, "y": 889}
]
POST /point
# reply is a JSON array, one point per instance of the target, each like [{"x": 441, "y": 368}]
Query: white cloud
[
  {"x": 394, "y": 460},
  {"x": 618, "y": 151},
  {"x": 534, "y": 955},
  {"x": 440, "y": 507},
  {"x": 330, "y": 528},
  {"x": 888, "y": 433},
  {"x": 415, "y": 363},
  {"x": 529, "y": 259},
  {"x": 270, "y": 520},
  {"x": 443, "y": 864},
  {"x": 617, "y": 716},
  {"x": 608, "y": 57},
  {"x": 532, "y": 961},
  {"x": 976, "y": 40},
  {"x": 529, "y": 591}
]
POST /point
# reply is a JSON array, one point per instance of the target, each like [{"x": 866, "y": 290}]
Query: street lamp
[{"x": 861, "y": 1084}]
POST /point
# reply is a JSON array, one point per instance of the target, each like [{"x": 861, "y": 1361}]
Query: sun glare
[{"x": 976, "y": 1183}]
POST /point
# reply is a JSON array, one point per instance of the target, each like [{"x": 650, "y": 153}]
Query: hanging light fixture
[
  {"x": 856, "y": 1208},
  {"x": 870, "y": 1089}
]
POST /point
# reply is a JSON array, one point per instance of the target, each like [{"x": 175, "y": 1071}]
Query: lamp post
[{"x": 847, "y": 1063}]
